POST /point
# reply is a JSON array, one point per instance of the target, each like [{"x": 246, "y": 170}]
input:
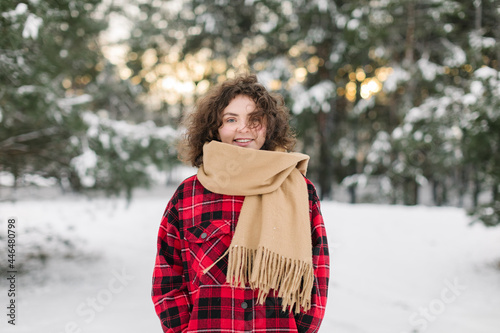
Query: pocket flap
[{"x": 207, "y": 230}]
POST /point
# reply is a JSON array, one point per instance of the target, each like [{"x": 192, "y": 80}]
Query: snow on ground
[{"x": 394, "y": 269}]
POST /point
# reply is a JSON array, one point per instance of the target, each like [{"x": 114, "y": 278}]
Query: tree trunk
[
  {"x": 410, "y": 194},
  {"x": 496, "y": 33},
  {"x": 415, "y": 192},
  {"x": 352, "y": 193},
  {"x": 394, "y": 193},
  {"x": 410, "y": 34},
  {"x": 326, "y": 126},
  {"x": 325, "y": 156},
  {"x": 439, "y": 192},
  {"x": 478, "y": 17},
  {"x": 435, "y": 193},
  {"x": 444, "y": 191},
  {"x": 462, "y": 185},
  {"x": 476, "y": 190}
]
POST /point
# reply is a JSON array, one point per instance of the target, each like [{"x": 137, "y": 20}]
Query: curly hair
[{"x": 202, "y": 125}]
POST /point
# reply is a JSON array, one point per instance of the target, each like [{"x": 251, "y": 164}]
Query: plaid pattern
[{"x": 195, "y": 231}]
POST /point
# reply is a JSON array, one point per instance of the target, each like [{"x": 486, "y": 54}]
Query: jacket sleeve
[
  {"x": 311, "y": 320},
  {"x": 170, "y": 293}
]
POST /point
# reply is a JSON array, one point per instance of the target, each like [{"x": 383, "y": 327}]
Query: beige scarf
[{"x": 271, "y": 247}]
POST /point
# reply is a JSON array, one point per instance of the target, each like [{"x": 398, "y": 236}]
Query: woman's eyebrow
[{"x": 230, "y": 114}]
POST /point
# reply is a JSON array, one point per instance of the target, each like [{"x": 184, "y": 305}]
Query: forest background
[{"x": 390, "y": 98}]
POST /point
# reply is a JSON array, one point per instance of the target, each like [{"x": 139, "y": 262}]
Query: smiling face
[{"x": 237, "y": 128}]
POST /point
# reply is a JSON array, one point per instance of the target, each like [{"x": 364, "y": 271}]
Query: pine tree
[
  {"x": 47, "y": 46},
  {"x": 59, "y": 98},
  {"x": 379, "y": 90}
]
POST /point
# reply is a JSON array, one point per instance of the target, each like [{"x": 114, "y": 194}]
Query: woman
[{"x": 242, "y": 245}]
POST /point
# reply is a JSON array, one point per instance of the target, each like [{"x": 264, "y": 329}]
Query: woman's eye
[{"x": 230, "y": 120}]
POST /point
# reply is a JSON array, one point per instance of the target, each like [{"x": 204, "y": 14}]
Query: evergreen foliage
[
  {"x": 53, "y": 79},
  {"x": 431, "y": 118},
  {"x": 398, "y": 93}
]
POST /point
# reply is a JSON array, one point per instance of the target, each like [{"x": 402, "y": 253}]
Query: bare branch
[{"x": 29, "y": 136}]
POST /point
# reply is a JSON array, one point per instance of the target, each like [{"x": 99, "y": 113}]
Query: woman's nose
[{"x": 243, "y": 126}]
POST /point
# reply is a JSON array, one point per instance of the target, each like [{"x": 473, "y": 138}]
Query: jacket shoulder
[
  {"x": 311, "y": 189},
  {"x": 189, "y": 187}
]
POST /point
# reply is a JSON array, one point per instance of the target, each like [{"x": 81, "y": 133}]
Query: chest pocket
[{"x": 207, "y": 242}]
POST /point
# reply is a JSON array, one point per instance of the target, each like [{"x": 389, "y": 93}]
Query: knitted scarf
[{"x": 271, "y": 247}]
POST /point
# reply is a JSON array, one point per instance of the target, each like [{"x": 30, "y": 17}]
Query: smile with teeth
[{"x": 243, "y": 140}]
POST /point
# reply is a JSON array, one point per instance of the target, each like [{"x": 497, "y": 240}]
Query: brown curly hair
[{"x": 202, "y": 125}]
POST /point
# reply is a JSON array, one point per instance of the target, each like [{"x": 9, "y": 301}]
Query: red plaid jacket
[{"x": 196, "y": 229}]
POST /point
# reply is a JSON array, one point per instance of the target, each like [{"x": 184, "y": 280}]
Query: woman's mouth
[{"x": 243, "y": 142}]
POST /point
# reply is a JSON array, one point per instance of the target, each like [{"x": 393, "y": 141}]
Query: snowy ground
[{"x": 393, "y": 269}]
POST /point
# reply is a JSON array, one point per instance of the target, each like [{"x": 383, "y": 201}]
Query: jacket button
[
  {"x": 204, "y": 235},
  {"x": 244, "y": 305}
]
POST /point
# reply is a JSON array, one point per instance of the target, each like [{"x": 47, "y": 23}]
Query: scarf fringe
[{"x": 264, "y": 270}]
